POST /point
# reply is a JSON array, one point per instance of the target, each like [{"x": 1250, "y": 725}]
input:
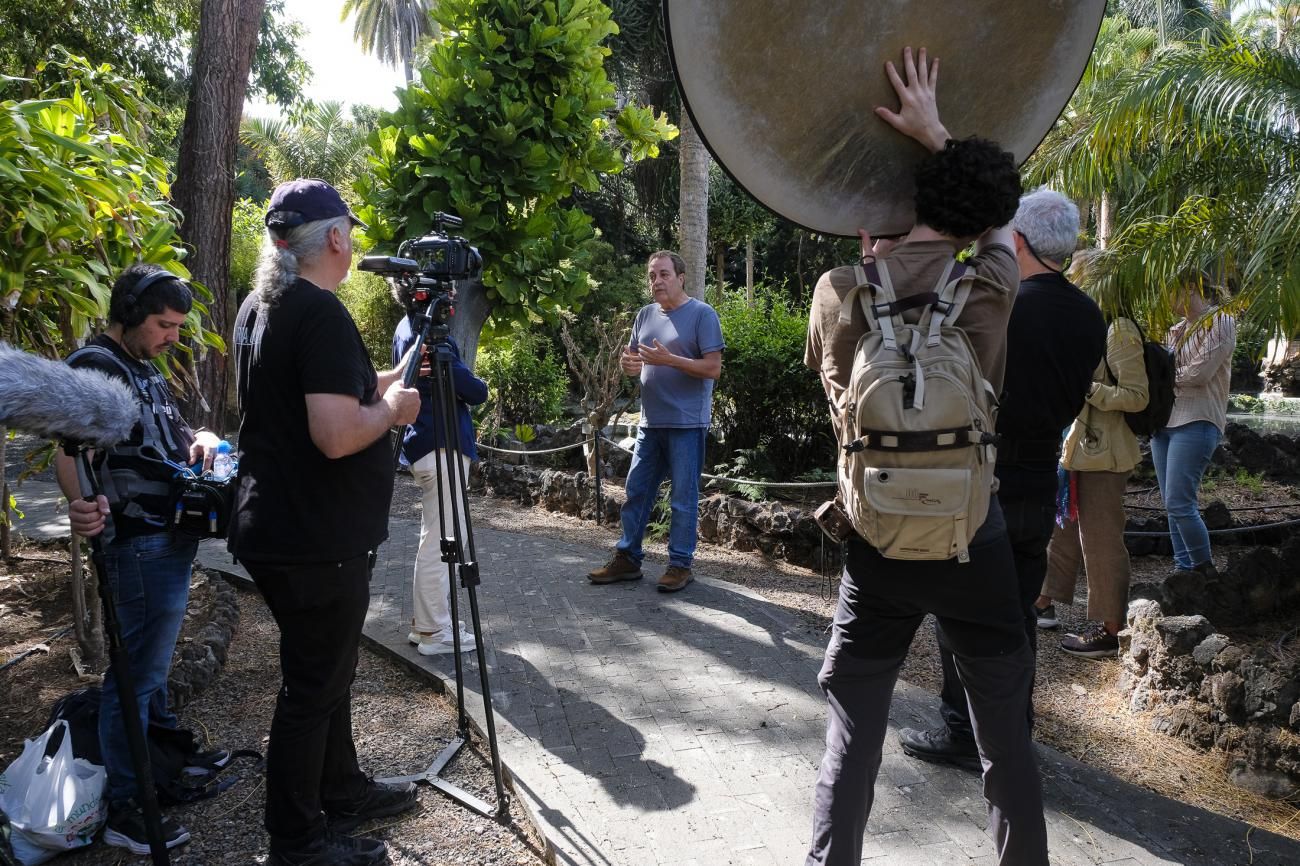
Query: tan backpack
[{"x": 916, "y": 423}]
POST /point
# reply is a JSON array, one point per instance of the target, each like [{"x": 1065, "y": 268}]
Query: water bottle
[{"x": 223, "y": 465}]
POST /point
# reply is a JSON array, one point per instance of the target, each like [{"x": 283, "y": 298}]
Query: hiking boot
[
  {"x": 1094, "y": 642},
  {"x": 433, "y": 645},
  {"x": 381, "y": 800},
  {"x": 621, "y": 567},
  {"x": 125, "y": 829},
  {"x": 675, "y": 577},
  {"x": 1046, "y": 616},
  {"x": 335, "y": 849},
  {"x": 940, "y": 746}
]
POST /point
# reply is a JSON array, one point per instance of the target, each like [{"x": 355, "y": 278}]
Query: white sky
[{"x": 340, "y": 70}]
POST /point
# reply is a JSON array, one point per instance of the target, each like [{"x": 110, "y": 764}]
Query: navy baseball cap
[{"x": 306, "y": 200}]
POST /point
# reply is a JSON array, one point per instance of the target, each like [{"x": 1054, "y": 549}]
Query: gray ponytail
[{"x": 283, "y": 254}]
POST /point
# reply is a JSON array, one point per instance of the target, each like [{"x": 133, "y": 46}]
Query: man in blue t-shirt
[{"x": 676, "y": 348}]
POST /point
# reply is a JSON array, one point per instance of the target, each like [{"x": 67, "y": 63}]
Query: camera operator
[
  {"x": 148, "y": 564},
  {"x": 966, "y": 191},
  {"x": 426, "y": 452},
  {"x": 315, "y": 482}
]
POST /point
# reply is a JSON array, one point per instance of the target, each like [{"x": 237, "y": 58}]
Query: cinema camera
[{"x": 425, "y": 268}]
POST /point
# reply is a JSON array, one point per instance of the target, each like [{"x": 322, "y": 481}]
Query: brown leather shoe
[
  {"x": 675, "y": 578},
  {"x": 621, "y": 567}
]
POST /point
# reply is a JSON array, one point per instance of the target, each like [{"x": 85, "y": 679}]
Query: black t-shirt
[
  {"x": 294, "y": 503},
  {"x": 150, "y": 513},
  {"x": 1055, "y": 339}
]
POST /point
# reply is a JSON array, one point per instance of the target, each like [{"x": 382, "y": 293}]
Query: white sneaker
[{"x": 432, "y": 645}]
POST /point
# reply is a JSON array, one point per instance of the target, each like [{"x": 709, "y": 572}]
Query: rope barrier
[
  {"x": 753, "y": 482},
  {"x": 1236, "y": 530},
  {"x": 808, "y": 485},
  {"x": 540, "y": 451},
  {"x": 1277, "y": 505}
]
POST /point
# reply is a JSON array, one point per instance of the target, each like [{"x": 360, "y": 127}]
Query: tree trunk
[
  {"x": 720, "y": 266},
  {"x": 693, "y": 220},
  {"x": 749, "y": 271},
  {"x": 205, "y": 179},
  {"x": 472, "y": 310},
  {"x": 1105, "y": 221}
]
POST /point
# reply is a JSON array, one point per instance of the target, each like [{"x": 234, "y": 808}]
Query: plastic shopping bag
[{"x": 54, "y": 803}]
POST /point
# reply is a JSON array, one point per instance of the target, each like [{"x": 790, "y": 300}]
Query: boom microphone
[{"x": 52, "y": 400}]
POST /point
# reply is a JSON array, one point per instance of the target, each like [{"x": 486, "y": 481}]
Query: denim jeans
[
  {"x": 1181, "y": 455},
  {"x": 149, "y": 576},
  {"x": 676, "y": 453}
]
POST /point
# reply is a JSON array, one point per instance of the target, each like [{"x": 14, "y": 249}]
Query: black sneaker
[
  {"x": 939, "y": 746},
  {"x": 1046, "y": 616},
  {"x": 381, "y": 800},
  {"x": 1094, "y": 642},
  {"x": 125, "y": 829},
  {"x": 206, "y": 762},
  {"x": 335, "y": 849}
]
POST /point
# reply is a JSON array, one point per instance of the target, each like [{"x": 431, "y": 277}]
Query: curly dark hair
[{"x": 965, "y": 189}]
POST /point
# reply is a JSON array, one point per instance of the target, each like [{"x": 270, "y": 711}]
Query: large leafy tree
[
  {"x": 81, "y": 198},
  {"x": 147, "y": 40},
  {"x": 512, "y": 114},
  {"x": 390, "y": 29}
]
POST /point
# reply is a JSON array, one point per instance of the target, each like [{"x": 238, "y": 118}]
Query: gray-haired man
[{"x": 1055, "y": 338}]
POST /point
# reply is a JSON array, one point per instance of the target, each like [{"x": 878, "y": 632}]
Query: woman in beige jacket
[{"x": 1100, "y": 453}]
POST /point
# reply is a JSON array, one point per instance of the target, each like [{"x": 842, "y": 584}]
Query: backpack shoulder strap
[
  {"x": 953, "y": 290},
  {"x": 879, "y": 304}
]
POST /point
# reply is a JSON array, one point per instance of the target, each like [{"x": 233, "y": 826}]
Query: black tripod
[
  {"x": 121, "y": 662},
  {"x": 457, "y": 547}
]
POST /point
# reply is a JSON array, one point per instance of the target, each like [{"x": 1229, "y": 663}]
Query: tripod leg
[
  {"x": 463, "y": 543},
  {"x": 119, "y": 658}
]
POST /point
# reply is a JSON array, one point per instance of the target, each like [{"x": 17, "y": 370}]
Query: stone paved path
[{"x": 641, "y": 728}]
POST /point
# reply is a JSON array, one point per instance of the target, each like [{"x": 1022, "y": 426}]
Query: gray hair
[
  {"x": 278, "y": 266},
  {"x": 1050, "y": 222}
]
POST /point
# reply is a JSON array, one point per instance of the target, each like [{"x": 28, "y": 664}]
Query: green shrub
[
  {"x": 526, "y": 379},
  {"x": 766, "y": 398},
  {"x": 246, "y": 233},
  {"x": 371, "y": 304}
]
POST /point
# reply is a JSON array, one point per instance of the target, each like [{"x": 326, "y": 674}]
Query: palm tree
[
  {"x": 1204, "y": 140},
  {"x": 391, "y": 29},
  {"x": 322, "y": 143}
]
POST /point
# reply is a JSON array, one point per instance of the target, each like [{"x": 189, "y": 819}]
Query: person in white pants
[{"x": 424, "y": 449}]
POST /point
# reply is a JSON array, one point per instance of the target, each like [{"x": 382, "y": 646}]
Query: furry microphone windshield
[{"x": 52, "y": 400}]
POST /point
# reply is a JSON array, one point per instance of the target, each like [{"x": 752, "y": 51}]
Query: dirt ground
[{"x": 401, "y": 723}]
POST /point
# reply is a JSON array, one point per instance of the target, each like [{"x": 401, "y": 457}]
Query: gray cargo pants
[{"x": 882, "y": 602}]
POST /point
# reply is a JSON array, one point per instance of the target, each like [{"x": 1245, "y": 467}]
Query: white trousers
[{"x": 432, "y": 587}]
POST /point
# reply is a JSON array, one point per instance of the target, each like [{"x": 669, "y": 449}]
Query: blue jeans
[
  {"x": 1181, "y": 455},
  {"x": 676, "y": 453},
  {"x": 149, "y": 576}
]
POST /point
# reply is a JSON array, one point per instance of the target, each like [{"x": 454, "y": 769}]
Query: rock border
[{"x": 199, "y": 660}]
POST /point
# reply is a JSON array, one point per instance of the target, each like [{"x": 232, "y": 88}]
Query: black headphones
[{"x": 130, "y": 318}]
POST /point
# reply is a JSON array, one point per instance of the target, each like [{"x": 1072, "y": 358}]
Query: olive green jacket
[{"x": 1100, "y": 439}]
